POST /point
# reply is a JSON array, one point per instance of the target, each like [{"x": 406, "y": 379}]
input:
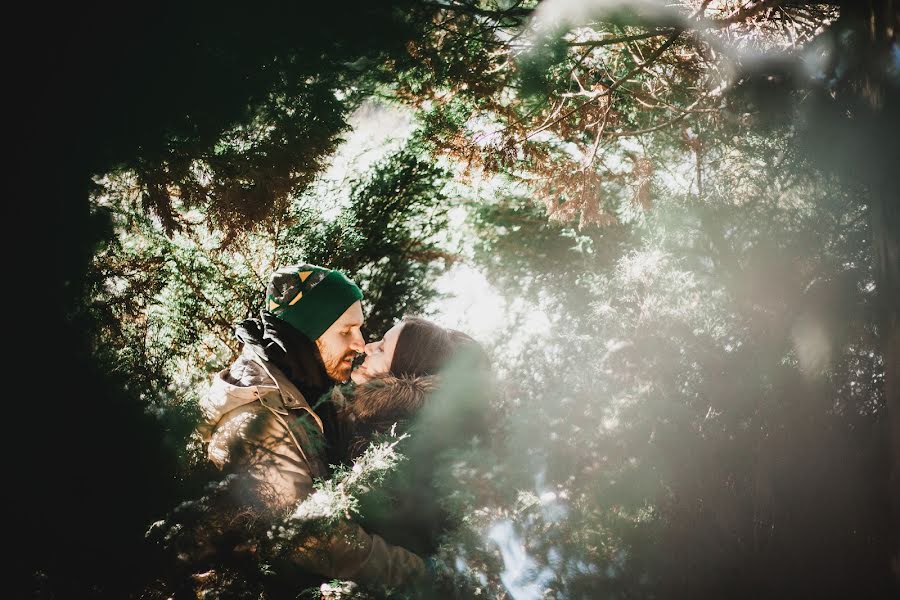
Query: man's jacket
[{"x": 257, "y": 422}]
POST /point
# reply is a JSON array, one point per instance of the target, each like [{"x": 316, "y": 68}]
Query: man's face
[{"x": 341, "y": 342}]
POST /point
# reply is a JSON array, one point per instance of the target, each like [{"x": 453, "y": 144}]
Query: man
[
  {"x": 310, "y": 329},
  {"x": 260, "y": 425}
]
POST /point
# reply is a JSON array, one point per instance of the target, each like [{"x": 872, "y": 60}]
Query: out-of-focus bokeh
[{"x": 674, "y": 226}]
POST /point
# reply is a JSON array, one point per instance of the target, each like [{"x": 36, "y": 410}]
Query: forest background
[{"x": 685, "y": 214}]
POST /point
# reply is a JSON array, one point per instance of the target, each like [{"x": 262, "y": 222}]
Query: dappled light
[{"x": 671, "y": 230}]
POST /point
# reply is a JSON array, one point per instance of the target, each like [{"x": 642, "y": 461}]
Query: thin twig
[
  {"x": 612, "y": 87},
  {"x": 513, "y": 11},
  {"x": 741, "y": 14},
  {"x": 650, "y": 129},
  {"x": 622, "y": 39}
]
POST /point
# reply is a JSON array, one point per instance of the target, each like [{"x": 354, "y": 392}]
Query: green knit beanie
[{"x": 309, "y": 297}]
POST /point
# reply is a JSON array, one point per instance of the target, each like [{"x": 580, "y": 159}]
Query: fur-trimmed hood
[
  {"x": 373, "y": 407},
  {"x": 386, "y": 398},
  {"x": 447, "y": 415}
]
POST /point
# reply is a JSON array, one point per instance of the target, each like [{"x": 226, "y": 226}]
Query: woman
[
  {"x": 419, "y": 379},
  {"x": 399, "y": 372},
  {"x": 412, "y": 348}
]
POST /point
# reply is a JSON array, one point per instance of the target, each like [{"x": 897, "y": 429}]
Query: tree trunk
[
  {"x": 876, "y": 91},
  {"x": 886, "y": 238}
]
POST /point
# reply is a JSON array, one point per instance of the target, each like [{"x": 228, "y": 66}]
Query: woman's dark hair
[{"x": 424, "y": 348}]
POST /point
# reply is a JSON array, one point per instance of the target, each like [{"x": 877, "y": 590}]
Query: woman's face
[{"x": 378, "y": 356}]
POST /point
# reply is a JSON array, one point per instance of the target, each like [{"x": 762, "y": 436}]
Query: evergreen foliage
[{"x": 699, "y": 198}]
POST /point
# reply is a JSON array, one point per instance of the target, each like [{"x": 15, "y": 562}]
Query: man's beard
[{"x": 336, "y": 367}]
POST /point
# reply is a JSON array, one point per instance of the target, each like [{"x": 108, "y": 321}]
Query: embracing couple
[{"x": 275, "y": 418}]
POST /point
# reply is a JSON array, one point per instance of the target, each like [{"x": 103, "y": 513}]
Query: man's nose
[{"x": 357, "y": 344}]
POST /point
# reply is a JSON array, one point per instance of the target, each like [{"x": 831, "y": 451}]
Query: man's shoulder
[
  {"x": 252, "y": 401},
  {"x": 247, "y": 370},
  {"x": 265, "y": 426}
]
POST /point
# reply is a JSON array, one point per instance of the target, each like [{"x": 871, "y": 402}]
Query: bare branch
[
  {"x": 514, "y": 11},
  {"x": 609, "y": 41},
  {"x": 612, "y": 87},
  {"x": 742, "y": 14}
]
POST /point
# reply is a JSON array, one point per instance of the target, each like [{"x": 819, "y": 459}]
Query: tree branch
[
  {"x": 742, "y": 14},
  {"x": 618, "y": 82},
  {"x": 620, "y": 40},
  {"x": 514, "y": 11}
]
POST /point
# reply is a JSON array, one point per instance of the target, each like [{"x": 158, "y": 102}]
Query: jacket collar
[
  {"x": 294, "y": 354},
  {"x": 385, "y": 398},
  {"x": 272, "y": 389}
]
